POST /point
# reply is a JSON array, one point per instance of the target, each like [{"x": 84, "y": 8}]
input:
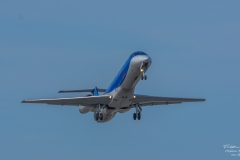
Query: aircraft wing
[
  {"x": 152, "y": 100},
  {"x": 76, "y": 101}
]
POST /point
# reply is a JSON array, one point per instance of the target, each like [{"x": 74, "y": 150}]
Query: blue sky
[{"x": 49, "y": 45}]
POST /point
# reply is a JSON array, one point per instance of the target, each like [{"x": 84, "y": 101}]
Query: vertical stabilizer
[{"x": 95, "y": 91}]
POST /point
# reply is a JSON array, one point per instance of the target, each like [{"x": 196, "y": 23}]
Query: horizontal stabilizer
[{"x": 81, "y": 90}]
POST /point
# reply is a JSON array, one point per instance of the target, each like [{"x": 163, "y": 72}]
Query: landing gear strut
[{"x": 137, "y": 115}]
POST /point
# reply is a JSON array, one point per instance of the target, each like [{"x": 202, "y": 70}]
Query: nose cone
[
  {"x": 143, "y": 61},
  {"x": 141, "y": 56},
  {"x": 146, "y": 58}
]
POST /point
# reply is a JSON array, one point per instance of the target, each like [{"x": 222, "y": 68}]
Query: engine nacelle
[{"x": 84, "y": 109}]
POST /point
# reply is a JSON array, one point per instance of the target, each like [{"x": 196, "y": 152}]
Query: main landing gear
[
  {"x": 137, "y": 115},
  {"x": 99, "y": 114}
]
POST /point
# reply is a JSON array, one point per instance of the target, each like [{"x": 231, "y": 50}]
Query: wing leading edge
[
  {"x": 92, "y": 100},
  {"x": 144, "y": 100}
]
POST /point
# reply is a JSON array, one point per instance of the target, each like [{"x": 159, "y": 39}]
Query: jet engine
[{"x": 84, "y": 109}]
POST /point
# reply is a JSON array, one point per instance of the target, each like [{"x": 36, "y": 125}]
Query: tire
[
  {"x": 97, "y": 116},
  {"x": 139, "y": 116},
  {"x": 145, "y": 77},
  {"x": 134, "y": 116},
  {"x": 101, "y": 116}
]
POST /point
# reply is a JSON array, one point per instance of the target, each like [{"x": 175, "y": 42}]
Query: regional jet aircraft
[{"x": 119, "y": 96}]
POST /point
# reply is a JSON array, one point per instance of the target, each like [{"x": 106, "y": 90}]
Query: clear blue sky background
[{"x": 50, "y": 45}]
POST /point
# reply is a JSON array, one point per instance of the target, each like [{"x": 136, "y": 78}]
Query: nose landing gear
[
  {"x": 137, "y": 115},
  {"x": 144, "y": 77},
  {"x": 143, "y": 69}
]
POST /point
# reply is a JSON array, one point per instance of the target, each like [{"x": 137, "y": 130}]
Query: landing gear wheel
[
  {"x": 139, "y": 116},
  {"x": 101, "y": 116},
  {"x": 97, "y": 116},
  {"x": 134, "y": 116},
  {"x": 144, "y": 77}
]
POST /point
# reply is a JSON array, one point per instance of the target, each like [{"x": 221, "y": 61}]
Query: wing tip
[
  {"x": 203, "y": 100},
  {"x": 199, "y": 100},
  {"x": 24, "y": 101},
  {"x": 27, "y": 101}
]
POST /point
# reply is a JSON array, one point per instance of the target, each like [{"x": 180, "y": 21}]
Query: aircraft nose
[
  {"x": 146, "y": 59},
  {"x": 142, "y": 59}
]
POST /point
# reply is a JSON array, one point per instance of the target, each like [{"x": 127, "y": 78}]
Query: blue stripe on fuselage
[{"x": 123, "y": 72}]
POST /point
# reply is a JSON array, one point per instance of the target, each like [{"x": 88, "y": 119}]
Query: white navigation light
[
  {"x": 142, "y": 70},
  {"x": 110, "y": 97},
  {"x": 134, "y": 96}
]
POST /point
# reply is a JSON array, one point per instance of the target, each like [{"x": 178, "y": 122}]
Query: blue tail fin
[{"x": 95, "y": 91}]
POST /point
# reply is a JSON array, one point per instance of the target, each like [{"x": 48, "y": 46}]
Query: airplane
[{"x": 119, "y": 97}]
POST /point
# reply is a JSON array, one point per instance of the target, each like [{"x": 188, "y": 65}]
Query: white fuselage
[{"x": 122, "y": 96}]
